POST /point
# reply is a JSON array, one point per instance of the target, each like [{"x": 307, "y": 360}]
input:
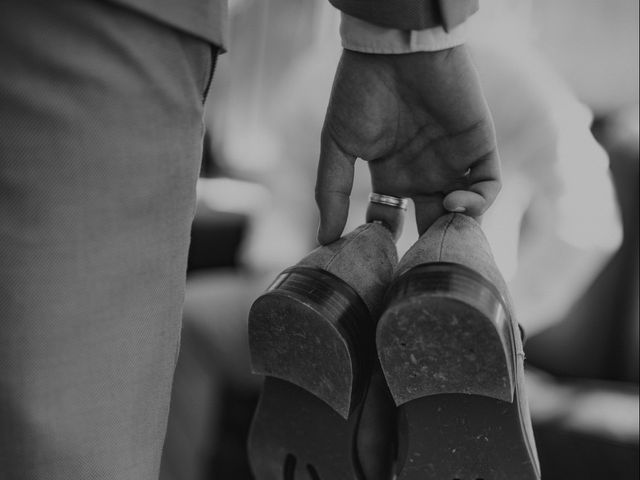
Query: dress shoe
[
  {"x": 312, "y": 336},
  {"x": 451, "y": 352}
]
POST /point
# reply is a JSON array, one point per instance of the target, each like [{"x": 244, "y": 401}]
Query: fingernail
[{"x": 458, "y": 210}]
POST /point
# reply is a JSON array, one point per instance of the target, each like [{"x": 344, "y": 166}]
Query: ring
[{"x": 388, "y": 200}]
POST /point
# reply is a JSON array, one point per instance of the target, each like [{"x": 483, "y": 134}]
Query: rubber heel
[
  {"x": 312, "y": 330},
  {"x": 446, "y": 330}
]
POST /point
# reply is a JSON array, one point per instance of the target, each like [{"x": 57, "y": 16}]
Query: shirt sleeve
[
  {"x": 361, "y": 36},
  {"x": 409, "y": 14}
]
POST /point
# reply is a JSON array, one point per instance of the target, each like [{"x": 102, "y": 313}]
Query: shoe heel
[
  {"x": 446, "y": 330},
  {"x": 313, "y": 330}
]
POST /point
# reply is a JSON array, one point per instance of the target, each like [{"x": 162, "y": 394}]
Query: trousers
[{"x": 101, "y": 126}]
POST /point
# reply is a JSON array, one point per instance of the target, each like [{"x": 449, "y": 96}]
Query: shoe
[
  {"x": 312, "y": 336},
  {"x": 452, "y": 356}
]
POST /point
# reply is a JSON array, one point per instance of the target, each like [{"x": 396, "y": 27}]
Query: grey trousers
[{"x": 100, "y": 146}]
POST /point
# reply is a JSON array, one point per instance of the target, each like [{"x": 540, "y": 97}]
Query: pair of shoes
[{"x": 445, "y": 339}]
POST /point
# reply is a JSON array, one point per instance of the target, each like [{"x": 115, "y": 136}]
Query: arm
[
  {"x": 568, "y": 249},
  {"x": 555, "y": 223}
]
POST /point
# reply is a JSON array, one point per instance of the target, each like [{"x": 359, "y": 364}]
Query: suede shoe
[
  {"x": 312, "y": 336},
  {"x": 451, "y": 352}
]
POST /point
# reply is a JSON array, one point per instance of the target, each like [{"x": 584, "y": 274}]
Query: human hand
[{"x": 421, "y": 122}]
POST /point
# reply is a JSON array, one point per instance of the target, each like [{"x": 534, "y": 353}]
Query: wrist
[{"x": 361, "y": 36}]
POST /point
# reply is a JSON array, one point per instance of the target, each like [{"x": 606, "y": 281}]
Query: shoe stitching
[{"x": 444, "y": 233}]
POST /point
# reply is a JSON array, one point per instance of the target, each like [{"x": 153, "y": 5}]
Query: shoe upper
[
  {"x": 365, "y": 259},
  {"x": 456, "y": 238}
]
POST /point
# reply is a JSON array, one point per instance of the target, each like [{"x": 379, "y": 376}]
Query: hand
[{"x": 422, "y": 123}]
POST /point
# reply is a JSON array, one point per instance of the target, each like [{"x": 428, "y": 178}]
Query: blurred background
[{"x": 561, "y": 78}]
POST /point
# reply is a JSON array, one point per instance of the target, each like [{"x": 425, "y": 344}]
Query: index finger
[{"x": 333, "y": 187}]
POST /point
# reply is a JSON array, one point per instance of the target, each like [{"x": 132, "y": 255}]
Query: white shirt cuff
[{"x": 366, "y": 37}]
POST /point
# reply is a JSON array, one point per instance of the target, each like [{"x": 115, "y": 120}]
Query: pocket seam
[{"x": 213, "y": 59}]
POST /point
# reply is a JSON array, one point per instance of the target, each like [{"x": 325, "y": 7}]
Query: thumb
[
  {"x": 484, "y": 185},
  {"x": 333, "y": 187}
]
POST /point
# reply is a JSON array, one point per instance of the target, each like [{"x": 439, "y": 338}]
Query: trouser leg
[{"x": 100, "y": 147}]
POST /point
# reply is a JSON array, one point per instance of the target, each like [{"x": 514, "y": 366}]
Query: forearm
[
  {"x": 553, "y": 276},
  {"x": 566, "y": 250}
]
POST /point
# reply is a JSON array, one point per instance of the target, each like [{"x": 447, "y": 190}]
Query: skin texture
[{"x": 421, "y": 122}]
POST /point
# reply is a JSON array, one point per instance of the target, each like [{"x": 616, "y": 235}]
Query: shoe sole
[
  {"x": 297, "y": 436},
  {"x": 446, "y": 348},
  {"x": 311, "y": 336}
]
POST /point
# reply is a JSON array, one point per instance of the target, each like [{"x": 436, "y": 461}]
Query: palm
[{"x": 421, "y": 122}]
